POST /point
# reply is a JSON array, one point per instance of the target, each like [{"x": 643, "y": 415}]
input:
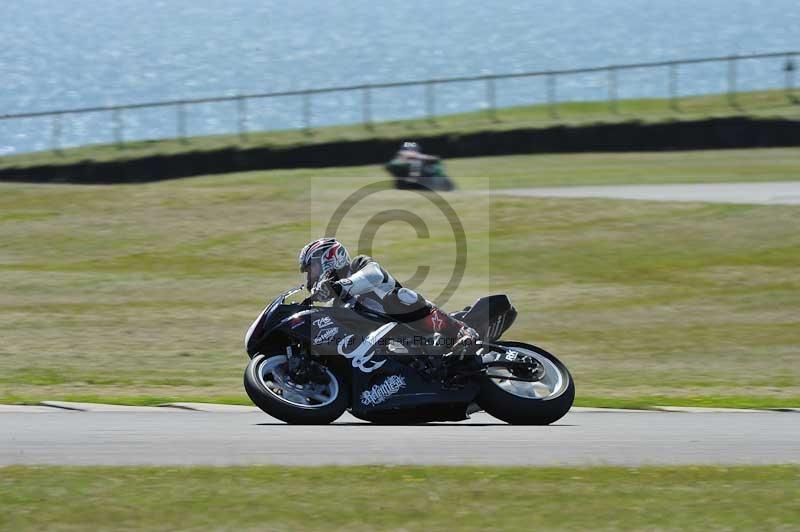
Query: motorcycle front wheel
[
  {"x": 270, "y": 385},
  {"x": 519, "y": 402}
]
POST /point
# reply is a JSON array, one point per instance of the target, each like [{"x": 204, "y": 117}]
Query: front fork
[{"x": 302, "y": 367}]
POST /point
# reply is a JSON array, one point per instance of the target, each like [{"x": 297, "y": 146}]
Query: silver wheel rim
[
  {"x": 552, "y": 384},
  {"x": 274, "y": 376}
]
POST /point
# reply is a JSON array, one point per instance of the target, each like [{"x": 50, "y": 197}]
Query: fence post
[
  {"x": 55, "y": 141},
  {"x": 789, "y": 67},
  {"x": 366, "y": 100},
  {"x": 490, "y": 98},
  {"x": 307, "y": 112},
  {"x": 551, "y": 95},
  {"x": 732, "y": 81},
  {"x": 612, "y": 89},
  {"x": 673, "y": 86},
  {"x": 116, "y": 118},
  {"x": 430, "y": 102},
  {"x": 241, "y": 113},
  {"x": 181, "y": 122}
]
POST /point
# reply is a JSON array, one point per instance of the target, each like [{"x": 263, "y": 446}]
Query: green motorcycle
[{"x": 419, "y": 174}]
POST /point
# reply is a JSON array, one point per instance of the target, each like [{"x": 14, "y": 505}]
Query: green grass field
[
  {"x": 142, "y": 293},
  {"x": 764, "y": 104},
  {"x": 399, "y": 498}
]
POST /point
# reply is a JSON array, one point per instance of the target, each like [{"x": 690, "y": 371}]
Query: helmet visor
[{"x": 313, "y": 272}]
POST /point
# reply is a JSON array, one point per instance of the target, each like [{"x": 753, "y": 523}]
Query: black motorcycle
[{"x": 308, "y": 364}]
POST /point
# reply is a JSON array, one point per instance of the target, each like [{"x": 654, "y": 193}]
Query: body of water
[{"x": 78, "y": 53}]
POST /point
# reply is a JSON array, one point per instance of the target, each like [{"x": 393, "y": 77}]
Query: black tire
[
  {"x": 267, "y": 401},
  {"x": 527, "y": 411}
]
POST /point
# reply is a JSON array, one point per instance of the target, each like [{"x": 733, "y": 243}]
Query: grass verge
[
  {"x": 765, "y": 104},
  {"x": 399, "y": 498},
  {"x": 122, "y": 292}
]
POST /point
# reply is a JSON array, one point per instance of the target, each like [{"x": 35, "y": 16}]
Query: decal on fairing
[
  {"x": 510, "y": 355},
  {"x": 362, "y": 355},
  {"x": 381, "y": 392},
  {"x": 326, "y": 335},
  {"x": 324, "y": 321},
  {"x": 436, "y": 321}
]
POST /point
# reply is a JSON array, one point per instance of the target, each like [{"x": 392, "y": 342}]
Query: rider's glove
[
  {"x": 330, "y": 286},
  {"x": 342, "y": 288},
  {"x": 323, "y": 289}
]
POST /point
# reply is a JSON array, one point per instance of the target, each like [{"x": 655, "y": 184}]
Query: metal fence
[{"x": 182, "y": 107}]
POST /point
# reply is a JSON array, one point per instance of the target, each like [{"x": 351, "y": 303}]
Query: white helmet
[{"x": 321, "y": 256}]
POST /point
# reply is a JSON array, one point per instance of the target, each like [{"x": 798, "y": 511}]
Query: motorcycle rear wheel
[
  {"x": 271, "y": 388},
  {"x": 524, "y": 403}
]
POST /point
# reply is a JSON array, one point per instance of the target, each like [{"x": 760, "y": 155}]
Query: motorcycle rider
[
  {"x": 411, "y": 154},
  {"x": 330, "y": 274}
]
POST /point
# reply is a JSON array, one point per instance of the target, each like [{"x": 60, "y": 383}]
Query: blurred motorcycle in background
[{"x": 413, "y": 169}]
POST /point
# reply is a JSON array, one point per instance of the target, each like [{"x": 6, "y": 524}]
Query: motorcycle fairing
[
  {"x": 361, "y": 355},
  {"x": 415, "y": 391},
  {"x": 275, "y": 328},
  {"x": 490, "y": 316},
  {"x": 262, "y": 326},
  {"x": 285, "y": 324}
]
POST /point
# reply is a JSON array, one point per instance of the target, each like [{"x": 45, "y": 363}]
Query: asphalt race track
[{"x": 171, "y": 436}]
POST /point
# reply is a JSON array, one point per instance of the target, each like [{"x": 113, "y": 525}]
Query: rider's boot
[
  {"x": 459, "y": 333},
  {"x": 457, "y": 338}
]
